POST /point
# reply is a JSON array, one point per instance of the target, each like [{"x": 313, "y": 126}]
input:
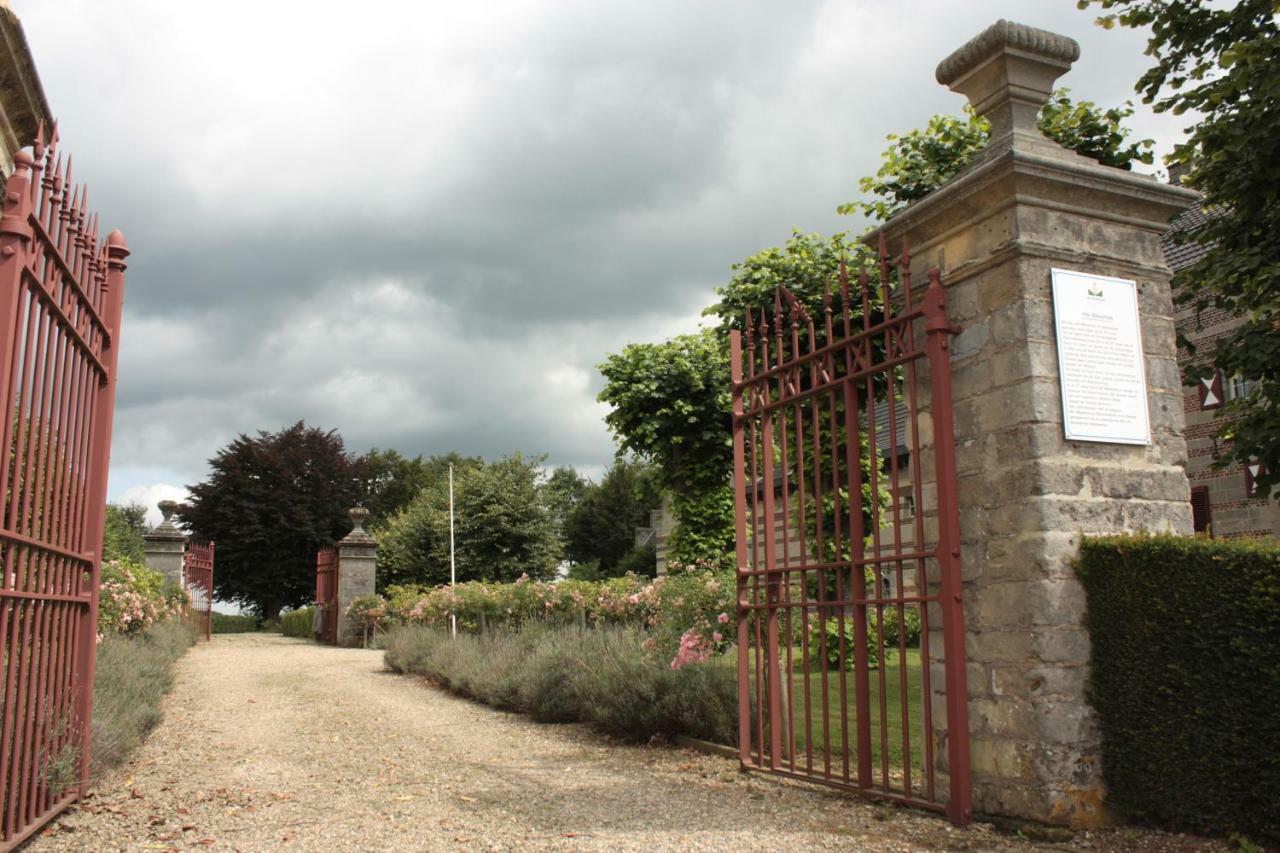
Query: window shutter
[
  {"x": 1211, "y": 390},
  {"x": 1201, "y": 516},
  {"x": 1252, "y": 470}
]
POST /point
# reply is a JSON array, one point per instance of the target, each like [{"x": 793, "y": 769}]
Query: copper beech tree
[{"x": 270, "y": 502}]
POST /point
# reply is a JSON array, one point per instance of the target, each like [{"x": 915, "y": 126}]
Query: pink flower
[
  {"x": 693, "y": 649},
  {"x": 723, "y": 618},
  {"x": 717, "y": 636}
]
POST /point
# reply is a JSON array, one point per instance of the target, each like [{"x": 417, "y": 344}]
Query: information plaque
[{"x": 1104, "y": 379}]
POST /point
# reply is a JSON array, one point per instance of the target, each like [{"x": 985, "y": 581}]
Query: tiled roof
[{"x": 1179, "y": 256}]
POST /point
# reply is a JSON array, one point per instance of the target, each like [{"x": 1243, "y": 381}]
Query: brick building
[{"x": 1224, "y": 501}]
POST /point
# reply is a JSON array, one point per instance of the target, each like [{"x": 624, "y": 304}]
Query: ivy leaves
[{"x": 919, "y": 162}]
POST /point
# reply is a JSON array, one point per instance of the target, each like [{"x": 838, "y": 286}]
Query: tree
[
  {"x": 918, "y": 162},
  {"x": 504, "y": 527},
  {"x": 390, "y": 481},
  {"x": 122, "y": 533},
  {"x": 565, "y": 488},
  {"x": 671, "y": 402},
  {"x": 601, "y": 527},
  {"x": 671, "y": 406},
  {"x": 269, "y": 503},
  {"x": 1223, "y": 62}
]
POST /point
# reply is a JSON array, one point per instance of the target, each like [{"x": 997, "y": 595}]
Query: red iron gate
[
  {"x": 327, "y": 595},
  {"x": 197, "y": 573},
  {"x": 848, "y": 543},
  {"x": 61, "y": 291}
]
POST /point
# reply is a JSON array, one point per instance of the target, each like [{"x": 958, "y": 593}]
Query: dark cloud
[{"x": 425, "y": 223}]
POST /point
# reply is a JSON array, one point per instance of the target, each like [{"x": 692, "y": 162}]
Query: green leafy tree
[
  {"x": 918, "y": 162},
  {"x": 270, "y": 502},
  {"x": 565, "y": 489},
  {"x": 671, "y": 404},
  {"x": 601, "y": 527},
  {"x": 122, "y": 532},
  {"x": 1222, "y": 62},
  {"x": 504, "y": 527},
  {"x": 390, "y": 481}
]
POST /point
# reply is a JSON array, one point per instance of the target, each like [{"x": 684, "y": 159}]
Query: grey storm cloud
[{"x": 425, "y": 223}]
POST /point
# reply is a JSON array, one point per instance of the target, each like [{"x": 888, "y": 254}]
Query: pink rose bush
[
  {"x": 133, "y": 598},
  {"x": 682, "y": 611}
]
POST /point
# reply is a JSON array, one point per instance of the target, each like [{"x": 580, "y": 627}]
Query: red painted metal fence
[
  {"x": 61, "y": 291},
  {"x": 847, "y": 540},
  {"x": 327, "y": 595},
  {"x": 197, "y": 573}
]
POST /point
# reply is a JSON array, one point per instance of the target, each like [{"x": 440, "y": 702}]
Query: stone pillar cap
[
  {"x": 166, "y": 529},
  {"x": 357, "y": 536},
  {"x": 1007, "y": 72}
]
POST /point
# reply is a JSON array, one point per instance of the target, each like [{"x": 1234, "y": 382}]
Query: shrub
[
  {"x": 1185, "y": 678},
  {"x": 133, "y": 598},
  {"x": 229, "y": 623},
  {"x": 561, "y": 673},
  {"x": 911, "y": 618},
  {"x": 133, "y": 673},
  {"x": 297, "y": 623}
]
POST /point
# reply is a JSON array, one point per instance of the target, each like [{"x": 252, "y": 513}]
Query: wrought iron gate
[
  {"x": 848, "y": 543},
  {"x": 327, "y": 595},
  {"x": 61, "y": 291},
  {"x": 197, "y": 573}
]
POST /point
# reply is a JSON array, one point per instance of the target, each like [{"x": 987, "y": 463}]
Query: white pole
[{"x": 453, "y": 568}]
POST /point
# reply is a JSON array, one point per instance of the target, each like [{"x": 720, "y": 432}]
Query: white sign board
[{"x": 1104, "y": 380}]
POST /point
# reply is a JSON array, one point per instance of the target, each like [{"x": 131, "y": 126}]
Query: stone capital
[
  {"x": 1007, "y": 72},
  {"x": 358, "y": 536}
]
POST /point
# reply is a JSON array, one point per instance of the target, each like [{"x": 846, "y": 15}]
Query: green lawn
[{"x": 813, "y": 699}]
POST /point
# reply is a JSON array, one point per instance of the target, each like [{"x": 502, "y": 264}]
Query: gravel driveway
[{"x": 270, "y": 743}]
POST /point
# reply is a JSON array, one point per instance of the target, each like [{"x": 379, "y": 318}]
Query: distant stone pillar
[
  {"x": 357, "y": 563},
  {"x": 1026, "y": 493},
  {"x": 164, "y": 546}
]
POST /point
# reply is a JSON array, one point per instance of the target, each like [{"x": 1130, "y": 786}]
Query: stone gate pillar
[
  {"x": 1026, "y": 494},
  {"x": 163, "y": 547},
  {"x": 357, "y": 563}
]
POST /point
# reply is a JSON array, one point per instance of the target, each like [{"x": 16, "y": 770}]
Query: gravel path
[{"x": 270, "y": 743}]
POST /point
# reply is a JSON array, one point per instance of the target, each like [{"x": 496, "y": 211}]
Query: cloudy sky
[{"x": 424, "y": 223}]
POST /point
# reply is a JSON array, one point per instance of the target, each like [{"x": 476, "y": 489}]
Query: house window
[
  {"x": 1201, "y": 514},
  {"x": 1237, "y": 387}
]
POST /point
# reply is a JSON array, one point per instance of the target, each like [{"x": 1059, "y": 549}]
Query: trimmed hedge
[
  {"x": 297, "y": 623},
  {"x": 232, "y": 623},
  {"x": 1186, "y": 679}
]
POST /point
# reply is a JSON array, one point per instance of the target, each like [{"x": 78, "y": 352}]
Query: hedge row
[
  {"x": 234, "y": 623},
  {"x": 297, "y": 623},
  {"x": 693, "y": 604},
  {"x": 563, "y": 673},
  {"x": 1186, "y": 679}
]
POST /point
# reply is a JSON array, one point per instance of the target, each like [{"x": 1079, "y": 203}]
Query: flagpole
[{"x": 453, "y": 568}]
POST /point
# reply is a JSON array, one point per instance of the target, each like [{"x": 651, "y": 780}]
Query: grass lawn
[{"x": 807, "y": 708}]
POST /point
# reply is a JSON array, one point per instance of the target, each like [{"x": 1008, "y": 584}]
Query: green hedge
[
  {"x": 297, "y": 623},
  {"x": 226, "y": 623},
  {"x": 1186, "y": 679}
]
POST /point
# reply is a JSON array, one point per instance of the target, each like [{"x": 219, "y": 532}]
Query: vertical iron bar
[
  {"x": 938, "y": 329},
  {"x": 740, "y": 543}
]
